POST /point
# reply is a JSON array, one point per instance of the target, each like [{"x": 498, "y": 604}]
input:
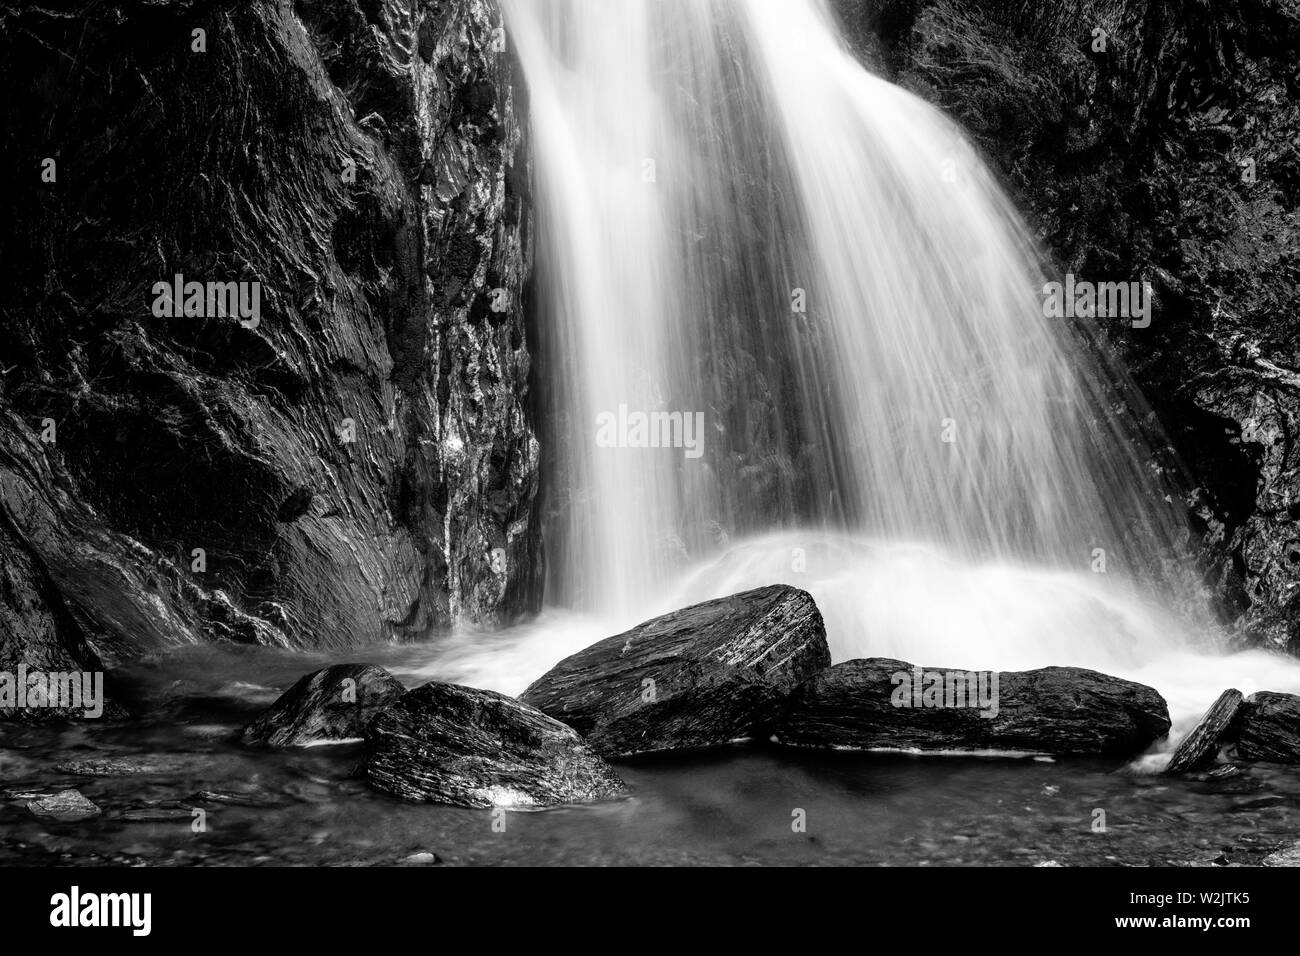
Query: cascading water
[{"x": 740, "y": 226}]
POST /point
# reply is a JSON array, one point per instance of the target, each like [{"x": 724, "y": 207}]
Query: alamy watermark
[
  {"x": 627, "y": 429},
  {"x": 933, "y": 689},
  {"x": 73, "y": 909},
  {"x": 57, "y": 690},
  {"x": 1098, "y": 300},
  {"x": 181, "y": 299}
]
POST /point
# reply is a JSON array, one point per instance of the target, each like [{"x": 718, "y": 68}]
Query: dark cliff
[
  {"x": 1155, "y": 140},
  {"x": 354, "y": 465}
]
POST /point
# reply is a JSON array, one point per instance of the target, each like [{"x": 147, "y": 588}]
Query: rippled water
[{"x": 732, "y": 806}]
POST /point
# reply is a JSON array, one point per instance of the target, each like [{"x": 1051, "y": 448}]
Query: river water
[{"x": 733, "y": 806}]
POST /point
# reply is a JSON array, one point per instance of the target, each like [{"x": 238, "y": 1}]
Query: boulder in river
[
  {"x": 879, "y": 703},
  {"x": 1199, "y": 747},
  {"x": 334, "y": 703},
  {"x": 1268, "y": 728},
  {"x": 701, "y": 676},
  {"x": 443, "y": 743}
]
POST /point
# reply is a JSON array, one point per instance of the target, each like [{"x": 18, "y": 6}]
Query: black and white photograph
[{"x": 686, "y": 434}]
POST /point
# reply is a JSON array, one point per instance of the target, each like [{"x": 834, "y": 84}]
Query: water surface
[{"x": 733, "y": 806}]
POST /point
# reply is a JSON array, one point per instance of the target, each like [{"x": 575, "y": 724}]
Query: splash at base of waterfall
[{"x": 917, "y": 604}]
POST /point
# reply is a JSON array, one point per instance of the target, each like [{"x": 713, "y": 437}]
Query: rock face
[
  {"x": 443, "y": 743},
  {"x": 1161, "y": 155},
  {"x": 351, "y": 464},
  {"x": 698, "y": 677},
  {"x": 1199, "y": 747},
  {"x": 882, "y": 703},
  {"x": 334, "y": 703},
  {"x": 1268, "y": 728}
]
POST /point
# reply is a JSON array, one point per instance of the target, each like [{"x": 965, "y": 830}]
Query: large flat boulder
[
  {"x": 443, "y": 743},
  {"x": 1199, "y": 747},
  {"x": 705, "y": 675},
  {"x": 1268, "y": 728},
  {"x": 880, "y": 703},
  {"x": 334, "y": 703}
]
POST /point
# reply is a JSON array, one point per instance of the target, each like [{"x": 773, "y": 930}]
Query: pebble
[
  {"x": 422, "y": 859},
  {"x": 66, "y": 806},
  {"x": 1287, "y": 856}
]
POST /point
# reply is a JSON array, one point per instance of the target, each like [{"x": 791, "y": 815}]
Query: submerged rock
[
  {"x": 443, "y": 743},
  {"x": 701, "y": 676},
  {"x": 129, "y": 766},
  {"x": 159, "y": 812},
  {"x": 251, "y": 795},
  {"x": 1199, "y": 747},
  {"x": 1227, "y": 771},
  {"x": 334, "y": 703},
  {"x": 66, "y": 806},
  {"x": 1268, "y": 728},
  {"x": 879, "y": 703}
]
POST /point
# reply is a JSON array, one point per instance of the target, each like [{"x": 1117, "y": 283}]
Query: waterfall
[{"x": 740, "y": 227}]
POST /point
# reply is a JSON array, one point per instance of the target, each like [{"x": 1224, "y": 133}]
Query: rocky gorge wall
[
  {"x": 353, "y": 464},
  {"x": 1155, "y": 140}
]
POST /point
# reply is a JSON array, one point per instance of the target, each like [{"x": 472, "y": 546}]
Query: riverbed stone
[
  {"x": 66, "y": 806},
  {"x": 1284, "y": 856}
]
